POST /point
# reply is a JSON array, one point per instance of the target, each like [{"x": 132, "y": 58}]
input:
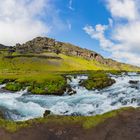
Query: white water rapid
[{"x": 23, "y": 106}]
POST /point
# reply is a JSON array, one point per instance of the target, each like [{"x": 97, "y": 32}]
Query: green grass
[
  {"x": 37, "y": 84},
  {"x": 42, "y": 75},
  {"x": 48, "y": 87},
  {"x": 14, "y": 86}
]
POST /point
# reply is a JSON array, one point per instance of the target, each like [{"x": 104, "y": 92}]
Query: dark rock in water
[
  {"x": 70, "y": 91},
  {"x": 135, "y": 86},
  {"x": 133, "y": 82},
  {"x": 124, "y": 102},
  {"x": 81, "y": 81},
  {"x": 47, "y": 113},
  {"x": 114, "y": 103},
  {"x": 76, "y": 114},
  {"x": 133, "y": 100},
  {"x": 65, "y": 112}
]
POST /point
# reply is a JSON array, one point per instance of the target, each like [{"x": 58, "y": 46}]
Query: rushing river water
[{"x": 23, "y": 106}]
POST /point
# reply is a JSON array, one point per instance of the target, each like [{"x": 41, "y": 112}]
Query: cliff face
[{"x": 44, "y": 44}]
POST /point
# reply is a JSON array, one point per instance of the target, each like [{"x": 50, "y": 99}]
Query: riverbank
[
  {"x": 45, "y": 73},
  {"x": 56, "y": 83},
  {"x": 117, "y": 125},
  {"x": 78, "y": 101}
]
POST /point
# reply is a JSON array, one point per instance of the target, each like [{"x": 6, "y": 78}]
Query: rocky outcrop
[
  {"x": 44, "y": 44},
  {"x": 37, "y": 45}
]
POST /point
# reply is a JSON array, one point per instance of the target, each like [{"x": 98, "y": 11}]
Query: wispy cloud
[
  {"x": 99, "y": 33},
  {"x": 69, "y": 25},
  {"x": 124, "y": 39},
  {"x": 70, "y": 5}
]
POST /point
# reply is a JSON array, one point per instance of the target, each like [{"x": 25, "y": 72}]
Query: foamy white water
[{"x": 23, "y": 106}]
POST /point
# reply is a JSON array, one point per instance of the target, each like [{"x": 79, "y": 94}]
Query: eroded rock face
[
  {"x": 37, "y": 45},
  {"x": 43, "y": 44}
]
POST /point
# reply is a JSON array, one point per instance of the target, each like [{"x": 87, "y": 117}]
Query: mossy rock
[
  {"x": 47, "y": 113},
  {"x": 14, "y": 86},
  {"x": 48, "y": 87},
  {"x": 98, "y": 80}
]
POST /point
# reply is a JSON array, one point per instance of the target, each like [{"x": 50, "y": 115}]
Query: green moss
[
  {"x": 46, "y": 86},
  {"x": 13, "y": 126},
  {"x": 115, "y": 72},
  {"x": 56, "y": 86},
  {"x": 98, "y": 80},
  {"x": 1, "y": 81},
  {"x": 14, "y": 86}
]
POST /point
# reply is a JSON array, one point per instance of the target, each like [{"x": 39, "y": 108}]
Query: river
[{"x": 21, "y": 105}]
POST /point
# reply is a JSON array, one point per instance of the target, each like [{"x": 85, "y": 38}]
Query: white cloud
[
  {"x": 123, "y": 8},
  {"x": 22, "y": 20},
  {"x": 19, "y": 20},
  {"x": 98, "y": 33},
  {"x": 124, "y": 29}
]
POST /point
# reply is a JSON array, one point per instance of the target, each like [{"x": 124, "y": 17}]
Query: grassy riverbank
[
  {"x": 44, "y": 73},
  {"x": 85, "y": 122}
]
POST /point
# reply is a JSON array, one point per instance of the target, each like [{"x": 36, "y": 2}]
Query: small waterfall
[{"x": 74, "y": 83}]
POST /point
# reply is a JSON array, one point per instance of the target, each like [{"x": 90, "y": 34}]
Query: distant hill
[
  {"x": 3, "y": 46},
  {"x": 45, "y": 45}
]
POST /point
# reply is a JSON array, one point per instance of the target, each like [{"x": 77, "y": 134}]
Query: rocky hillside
[
  {"x": 46, "y": 45},
  {"x": 43, "y": 44}
]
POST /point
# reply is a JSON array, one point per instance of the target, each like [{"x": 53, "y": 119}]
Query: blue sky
[
  {"x": 84, "y": 12},
  {"x": 109, "y": 27}
]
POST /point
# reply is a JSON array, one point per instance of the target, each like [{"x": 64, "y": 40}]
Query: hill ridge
[{"x": 40, "y": 45}]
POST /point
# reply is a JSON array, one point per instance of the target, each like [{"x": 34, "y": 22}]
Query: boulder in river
[
  {"x": 70, "y": 91},
  {"x": 133, "y": 81},
  {"x": 47, "y": 113}
]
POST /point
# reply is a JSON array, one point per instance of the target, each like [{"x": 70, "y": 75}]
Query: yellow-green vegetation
[
  {"x": 98, "y": 80},
  {"x": 37, "y": 84},
  {"x": 14, "y": 86},
  {"x": 85, "y": 122},
  {"x": 48, "y": 87},
  {"x": 42, "y": 73}
]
